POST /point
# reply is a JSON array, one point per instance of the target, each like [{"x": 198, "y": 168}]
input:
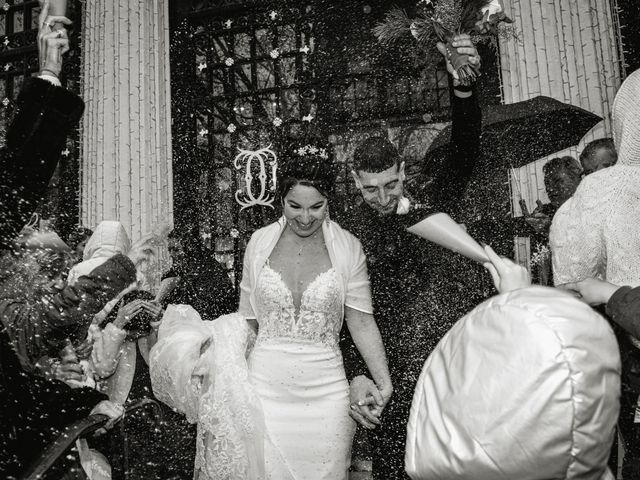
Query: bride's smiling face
[{"x": 305, "y": 209}]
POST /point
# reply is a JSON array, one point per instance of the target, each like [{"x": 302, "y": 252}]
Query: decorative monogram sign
[{"x": 260, "y": 189}]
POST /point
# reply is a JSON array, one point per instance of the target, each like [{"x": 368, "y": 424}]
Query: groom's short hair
[{"x": 375, "y": 154}]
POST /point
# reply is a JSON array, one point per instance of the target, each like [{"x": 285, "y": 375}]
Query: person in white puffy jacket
[{"x": 526, "y": 386}]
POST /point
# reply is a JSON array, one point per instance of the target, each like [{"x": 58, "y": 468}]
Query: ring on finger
[{"x": 47, "y": 24}]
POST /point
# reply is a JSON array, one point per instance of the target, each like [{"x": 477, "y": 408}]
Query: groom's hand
[{"x": 366, "y": 402}]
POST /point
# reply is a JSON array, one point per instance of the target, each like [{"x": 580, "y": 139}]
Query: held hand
[
  {"x": 592, "y": 290},
  {"x": 84, "y": 350},
  {"x": 127, "y": 312},
  {"x": 153, "y": 307},
  {"x": 540, "y": 223},
  {"x": 68, "y": 369},
  {"x": 365, "y": 398},
  {"x": 113, "y": 410},
  {"x": 464, "y": 46},
  {"x": 201, "y": 371},
  {"x": 507, "y": 275},
  {"x": 52, "y": 44}
]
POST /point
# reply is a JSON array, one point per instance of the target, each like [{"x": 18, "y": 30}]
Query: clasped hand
[{"x": 367, "y": 401}]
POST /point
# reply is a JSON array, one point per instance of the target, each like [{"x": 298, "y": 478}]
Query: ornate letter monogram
[{"x": 263, "y": 156}]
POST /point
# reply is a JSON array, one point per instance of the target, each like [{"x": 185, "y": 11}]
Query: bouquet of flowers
[{"x": 440, "y": 21}]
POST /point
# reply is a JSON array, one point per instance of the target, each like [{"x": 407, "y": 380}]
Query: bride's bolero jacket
[{"x": 345, "y": 252}]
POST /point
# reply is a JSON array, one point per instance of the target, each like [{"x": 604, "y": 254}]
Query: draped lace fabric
[
  {"x": 212, "y": 389},
  {"x": 318, "y": 320}
]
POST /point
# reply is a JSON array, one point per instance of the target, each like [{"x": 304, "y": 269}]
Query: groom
[{"x": 414, "y": 304}]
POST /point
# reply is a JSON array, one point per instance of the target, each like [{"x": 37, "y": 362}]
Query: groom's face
[{"x": 381, "y": 190}]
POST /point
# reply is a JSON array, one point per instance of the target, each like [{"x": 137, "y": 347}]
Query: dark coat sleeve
[
  {"x": 453, "y": 176},
  {"x": 624, "y": 309},
  {"x": 45, "y": 114},
  {"x": 40, "y": 328},
  {"x": 213, "y": 290}
]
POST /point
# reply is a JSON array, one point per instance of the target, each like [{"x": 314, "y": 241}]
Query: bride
[{"x": 283, "y": 413}]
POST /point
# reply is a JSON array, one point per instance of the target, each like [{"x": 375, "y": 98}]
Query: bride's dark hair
[{"x": 310, "y": 165}]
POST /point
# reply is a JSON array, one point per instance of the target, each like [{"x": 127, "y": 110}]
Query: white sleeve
[
  {"x": 577, "y": 247},
  {"x": 246, "y": 283},
  {"x": 51, "y": 79},
  {"x": 358, "y": 294}
]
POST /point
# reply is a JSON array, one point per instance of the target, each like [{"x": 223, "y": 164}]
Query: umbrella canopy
[
  {"x": 520, "y": 133},
  {"x": 512, "y": 136}
]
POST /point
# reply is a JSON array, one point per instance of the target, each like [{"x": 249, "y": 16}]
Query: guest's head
[
  {"x": 597, "y": 155},
  {"x": 306, "y": 180},
  {"x": 562, "y": 176},
  {"x": 378, "y": 171},
  {"x": 78, "y": 239}
]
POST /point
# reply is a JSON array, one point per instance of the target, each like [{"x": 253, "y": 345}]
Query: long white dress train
[
  {"x": 284, "y": 415},
  {"x": 212, "y": 389}
]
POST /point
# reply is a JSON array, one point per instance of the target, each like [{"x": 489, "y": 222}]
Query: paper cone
[{"x": 440, "y": 228}]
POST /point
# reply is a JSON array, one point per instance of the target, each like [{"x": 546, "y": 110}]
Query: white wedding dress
[
  {"x": 297, "y": 371},
  {"x": 281, "y": 415}
]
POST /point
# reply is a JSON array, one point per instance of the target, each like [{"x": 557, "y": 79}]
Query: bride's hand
[
  {"x": 202, "y": 367},
  {"x": 366, "y": 402}
]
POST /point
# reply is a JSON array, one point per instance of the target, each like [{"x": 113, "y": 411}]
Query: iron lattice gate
[{"x": 250, "y": 74}]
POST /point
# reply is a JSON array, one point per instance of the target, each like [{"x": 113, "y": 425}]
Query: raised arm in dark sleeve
[
  {"x": 624, "y": 309},
  {"x": 452, "y": 177},
  {"x": 44, "y": 116}
]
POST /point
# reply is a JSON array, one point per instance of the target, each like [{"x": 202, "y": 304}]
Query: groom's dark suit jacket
[{"x": 417, "y": 295}]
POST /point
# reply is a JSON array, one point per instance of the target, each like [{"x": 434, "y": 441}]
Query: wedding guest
[
  {"x": 40, "y": 315},
  {"x": 598, "y": 154},
  {"x": 45, "y": 113},
  {"x": 77, "y": 240},
  {"x": 562, "y": 176},
  {"x": 596, "y": 234},
  {"x": 196, "y": 278}
]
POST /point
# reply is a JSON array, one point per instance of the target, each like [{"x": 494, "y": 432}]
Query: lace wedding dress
[
  {"x": 297, "y": 371},
  {"x": 283, "y": 414}
]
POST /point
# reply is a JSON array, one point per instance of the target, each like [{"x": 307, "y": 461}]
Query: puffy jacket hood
[
  {"x": 108, "y": 239},
  {"x": 626, "y": 126},
  {"x": 526, "y": 386}
]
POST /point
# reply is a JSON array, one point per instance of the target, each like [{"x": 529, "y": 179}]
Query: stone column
[
  {"x": 567, "y": 50},
  {"x": 126, "y": 171}
]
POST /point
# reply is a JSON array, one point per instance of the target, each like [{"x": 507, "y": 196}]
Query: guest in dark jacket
[
  {"x": 622, "y": 307},
  {"x": 38, "y": 317},
  {"x": 45, "y": 114},
  {"x": 197, "y": 279}
]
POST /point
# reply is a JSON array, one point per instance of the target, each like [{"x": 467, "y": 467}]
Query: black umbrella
[
  {"x": 512, "y": 136},
  {"x": 520, "y": 133}
]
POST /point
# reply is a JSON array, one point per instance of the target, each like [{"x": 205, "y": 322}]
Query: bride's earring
[{"x": 327, "y": 217}]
